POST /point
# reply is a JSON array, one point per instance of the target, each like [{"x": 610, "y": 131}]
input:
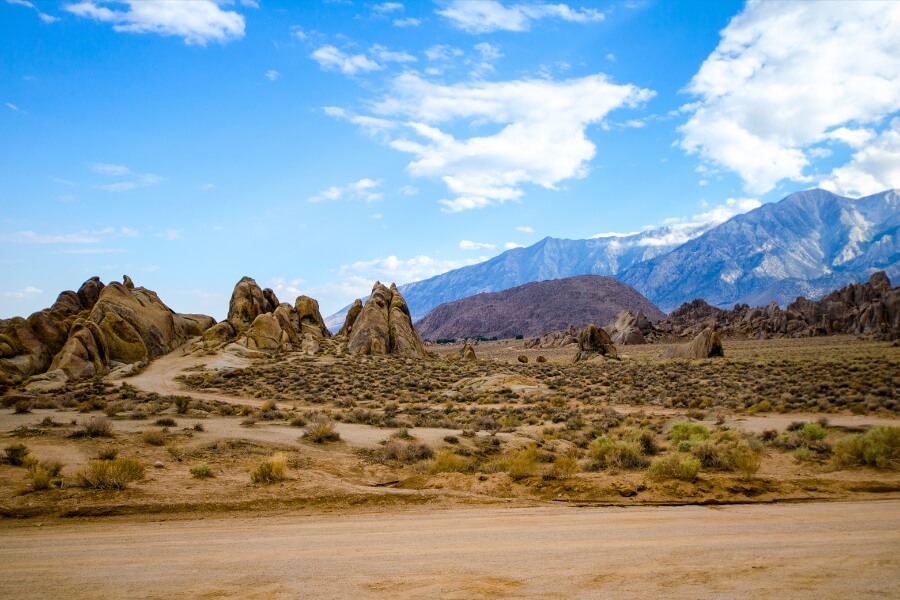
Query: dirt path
[{"x": 830, "y": 550}]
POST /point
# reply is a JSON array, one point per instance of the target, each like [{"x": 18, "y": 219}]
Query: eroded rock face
[
  {"x": 624, "y": 329},
  {"x": 467, "y": 353},
  {"x": 310, "y": 319},
  {"x": 870, "y": 309},
  {"x": 555, "y": 339},
  {"x": 384, "y": 326},
  {"x": 248, "y": 301},
  {"x": 351, "y": 317},
  {"x": 707, "y": 344},
  {"x": 594, "y": 342}
]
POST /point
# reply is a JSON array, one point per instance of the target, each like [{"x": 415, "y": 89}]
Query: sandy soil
[{"x": 818, "y": 550}]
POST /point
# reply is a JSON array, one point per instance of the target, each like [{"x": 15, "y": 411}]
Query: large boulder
[
  {"x": 248, "y": 301},
  {"x": 384, "y": 326},
  {"x": 594, "y": 342},
  {"x": 467, "y": 353},
  {"x": 624, "y": 329},
  {"x": 264, "y": 334},
  {"x": 310, "y": 319},
  {"x": 707, "y": 344}
]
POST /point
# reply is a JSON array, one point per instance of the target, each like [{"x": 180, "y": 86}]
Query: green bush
[
  {"x": 878, "y": 447},
  {"x": 685, "y": 431},
  {"x": 812, "y": 432},
  {"x": 643, "y": 436},
  {"x": 676, "y": 465},
  {"x": 110, "y": 474},
  {"x": 606, "y": 453},
  {"x": 201, "y": 471},
  {"x": 522, "y": 463},
  {"x": 562, "y": 468},
  {"x": 39, "y": 477}
]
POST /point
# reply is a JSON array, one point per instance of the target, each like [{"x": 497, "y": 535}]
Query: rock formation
[
  {"x": 627, "y": 329},
  {"x": 706, "y": 345},
  {"x": 384, "y": 326},
  {"x": 352, "y": 315},
  {"x": 310, "y": 319},
  {"x": 594, "y": 342},
  {"x": 467, "y": 353},
  {"x": 555, "y": 339},
  {"x": 248, "y": 301},
  {"x": 84, "y": 332},
  {"x": 870, "y": 309}
]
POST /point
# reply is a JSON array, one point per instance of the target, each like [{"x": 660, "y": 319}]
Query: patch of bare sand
[{"x": 813, "y": 550}]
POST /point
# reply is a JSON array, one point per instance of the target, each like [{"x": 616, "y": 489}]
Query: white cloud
[
  {"x": 395, "y": 270},
  {"x": 330, "y": 58},
  {"x": 524, "y": 229},
  {"x": 170, "y": 234},
  {"x": 542, "y": 140},
  {"x": 132, "y": 181},
  {"x": 409, "y": 190},
  {"x": 387, "y": 7},
  {"x": 872, "y": 169},
  {"x": 272, "y": 75},
  {"x": 442, "y": 52},
  {"x": 41, "y": 15},
  {"x": 407, "y": 22},
  {"x": 129, "y": 232},
  {"x": 12, "y": 106},
  {"x": 489, "y": 53},
  {"x": 385, "y": 55},
  {"x": 197, "y": 22},
  {"x": 92, "y": 251},
  {"x": 470, "y": 245},
  {"x": 31, "y": 237},
  {"x": 680, "y": 230},
  {"x": 613, "y": 234},
  {"x": 364, "y": 189},
  {"x": 787, "y": 75},
  {"x": 490, "y": 15},
  {"x": 285, "y": 288},
  {"x": 512, "y": 245},
  {"x": 23, "y": 293}
]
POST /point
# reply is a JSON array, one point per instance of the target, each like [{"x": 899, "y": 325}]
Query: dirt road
[{"x": 829, "y": 550}]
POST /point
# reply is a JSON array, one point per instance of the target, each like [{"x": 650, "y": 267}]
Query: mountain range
[{"x": 807, "y": 244}]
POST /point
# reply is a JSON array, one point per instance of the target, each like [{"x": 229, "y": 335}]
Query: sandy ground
[{"x": 817, "y": 550}]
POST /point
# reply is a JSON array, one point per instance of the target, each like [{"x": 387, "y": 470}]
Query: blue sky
[{"x": 319, "y": 146}]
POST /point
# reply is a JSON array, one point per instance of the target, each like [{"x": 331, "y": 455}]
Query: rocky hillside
[
  {"x": 870, "y": 309},
  {"x": 89, "y": 331},
  {"x": 536, "y": 308}
]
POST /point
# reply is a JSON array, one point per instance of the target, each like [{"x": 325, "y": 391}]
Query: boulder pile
[
  {"x": 594, "y": 342},
  {"x": 383, "y": 326},
  {"x": 707, "y": 344}
]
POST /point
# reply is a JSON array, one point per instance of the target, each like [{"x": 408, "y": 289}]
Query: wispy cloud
[
  {"x": 91, "y": 251},
  {"x": 128, "y": 180},
  {"x": 31, "y": 237},
  {"x": 524, "y": 229},
  {"x": 170, "y": 234},
  {"x": 23, "y": 293},
  {"x": 364, "y": 189},
  {"x": 197, "y": 22},
  {"x": 46, "y": 18},
  {"x": 470, "y": 245},
  {"x": 491, "y": 15},
  {"x": 272, "y": 75},
  {"x": 512, "y": 245},
  {"x": 12, "y": 106},
  {"x": 407, "y": 22},
  {"x": 387, "y": 7},
  {"x": 331, "y": 58}
]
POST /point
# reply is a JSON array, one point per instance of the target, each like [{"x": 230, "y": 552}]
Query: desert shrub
[
  {"x": 744, "y": 459},
  {"x": 606, "y": 453},
  {"x": 181, "y": 404},
  {"x": 812, "y": 432},
  {"x": 270, "y": 470},
  {"x": 39, "y": 478},
  {"x": 446, "y": 461},
  {"x": 22, "y": 407},
  {"x": 685, "y": 431},
  {"x": 108, "y": 453},
  {"x": 15, "y": 454},
  {"x": 154, "y": 438},
  {"x": 396, "y": 450},
  {"x": 321, "y": 429},
  {"x": 804, "y": 454},
  {"x": 201, "y": 471},
  {"x": 451, "y": 439},
  {"x": 675, "y": 465},
  {"x": 643, "y": 436},
  {"x": 878, "y": 447},
  {"x": 110, "y": 474},
  {"x": 198, "y": 427},
  {"x": 166, "y": 422},
  {"x": 298, "y": 421},
  {"x": 563, "y": 467},
  {"x": 522, "y": 463},
  {"x": 97, "y": 427}
]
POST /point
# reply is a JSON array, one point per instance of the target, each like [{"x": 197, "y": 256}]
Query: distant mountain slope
[
  {"x": 806, "y": 245},
  {"x": 536, "y": 308}
]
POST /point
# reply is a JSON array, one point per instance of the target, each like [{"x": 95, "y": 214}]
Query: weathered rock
[
  {"x": 310, "y": 345},
  {"x": 467, "y": 352},
  {"x": 352, "y": 315},
  {"x": 310, "y": 318},
  {"x": 89, "y": 292},
  {"x": 624, "y": 330},
  {"x": 594, "y": 342},
  {"x": 248, "y": 301},
  {"x": 384, "y": 326},
  {"x": 85, "y": 353},
  {"x": 555, "y": 339},
  {"x": 706, "y": 345},
  {"x": 220, "y": 332},
  {"x": 289, "y": 321},
  {"x": 264, "y": 334}
]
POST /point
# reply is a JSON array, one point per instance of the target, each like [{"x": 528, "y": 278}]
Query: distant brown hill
[{"x": 536, "y": 308}]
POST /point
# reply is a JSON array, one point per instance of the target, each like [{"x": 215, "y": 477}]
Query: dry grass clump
[
  {"x": 563, "y": 467},
  {"x": 154, "y": 438},
  {"x": 201, "y": 471},
  {"x": 522, "y": 463},
  {"x": 675, "y": 465},
  {"x": 399, "y": 451},
  {"x": 320, "y": 430},
  {"x": 685, "y": 431},
  {"x": 96, "y": 427},
  {"x": 879, "y": 447},
  {"x": 110, "y": 474},
  {"x": 630, "y": 452},
  {"x": 15, "y": 454},
  {"x": 447, "y": 461},
  {"x": 270, "y": 470}
]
